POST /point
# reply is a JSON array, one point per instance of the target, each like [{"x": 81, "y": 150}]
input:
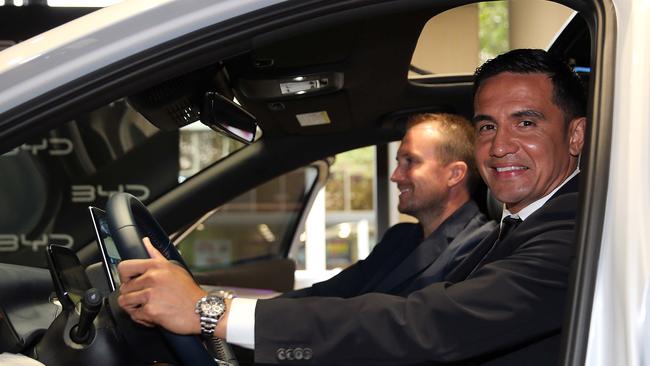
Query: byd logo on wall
[
  {"x": 13, "y": 242},
  {"x": 84, "y": 193}
]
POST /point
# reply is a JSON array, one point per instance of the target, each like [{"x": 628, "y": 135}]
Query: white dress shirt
[{"x": 240, "y": 329}]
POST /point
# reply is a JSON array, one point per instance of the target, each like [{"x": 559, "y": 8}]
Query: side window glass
[
  {"x": 259, "y": 224},
  {"x": 341, "y": 227}
]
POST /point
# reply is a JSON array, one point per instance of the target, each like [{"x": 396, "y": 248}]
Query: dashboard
[{"x": 42, "y": 311}]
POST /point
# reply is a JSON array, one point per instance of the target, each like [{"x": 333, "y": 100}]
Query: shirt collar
[{"x": 528, "y": 210}]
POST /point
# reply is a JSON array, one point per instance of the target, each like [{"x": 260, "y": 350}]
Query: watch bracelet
[{"x": 208, "y": 324}]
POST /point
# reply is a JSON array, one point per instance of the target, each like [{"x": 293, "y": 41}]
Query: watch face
[{"x": 213, "y": 306}]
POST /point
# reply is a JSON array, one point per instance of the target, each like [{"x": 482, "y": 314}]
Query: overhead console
[
  {"x": 293, "y": 86},
  {"x": 297, "y": 82},
  {"x": 288, "y": 99},
  {"x": 303, "y": 78}
]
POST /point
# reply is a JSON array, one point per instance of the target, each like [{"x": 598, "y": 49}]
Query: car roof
[{"x": 103, "y": 37}]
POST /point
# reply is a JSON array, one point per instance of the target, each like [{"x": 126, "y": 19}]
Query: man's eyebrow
[
  {"x": 482, "y": 117},
  {"x": 529, "y": 113}
]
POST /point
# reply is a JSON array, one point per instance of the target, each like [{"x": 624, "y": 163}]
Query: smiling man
[
  {"x": 524, "y": 136},
  {"x": 502, "y": 305},
  {"x": 435, "y": 170}
]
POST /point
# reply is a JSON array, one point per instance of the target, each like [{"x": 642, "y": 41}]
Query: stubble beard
[{"x": 424, "y": 211}]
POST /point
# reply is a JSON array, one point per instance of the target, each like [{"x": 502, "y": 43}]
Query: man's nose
[
  {"x": 396, "y": 176},
  {"x": 503, "y": 143}
]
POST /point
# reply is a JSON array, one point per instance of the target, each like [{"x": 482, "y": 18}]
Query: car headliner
[{"x": 372, "y": 56}]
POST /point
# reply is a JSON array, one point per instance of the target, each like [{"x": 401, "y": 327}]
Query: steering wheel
[{"x": 129, "y": 221}]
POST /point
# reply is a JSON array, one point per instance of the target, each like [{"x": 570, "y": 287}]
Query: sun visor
[{"x": 307, "y": 115}]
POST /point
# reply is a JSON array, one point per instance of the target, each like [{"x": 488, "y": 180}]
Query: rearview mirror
[{"x": 227, "y": 117}]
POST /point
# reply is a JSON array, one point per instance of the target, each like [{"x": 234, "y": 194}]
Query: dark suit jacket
[
  {"x": 502, "y": 309},
  {"x": 403, "y": 255}
]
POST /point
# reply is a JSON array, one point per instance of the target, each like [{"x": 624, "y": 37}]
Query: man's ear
[
  {"x": 577, "y": 135},
  {"x": 457, "y": 172}
]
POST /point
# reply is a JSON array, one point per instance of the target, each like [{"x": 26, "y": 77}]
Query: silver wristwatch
[{"x": 210, "y": 309}]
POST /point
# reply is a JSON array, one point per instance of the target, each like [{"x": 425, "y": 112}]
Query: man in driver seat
[{"x": 501, "y": 305}]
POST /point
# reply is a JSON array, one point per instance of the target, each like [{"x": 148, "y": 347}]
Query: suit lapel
[
  {"x": 464, "y": 269},
  {"x": 514, "y": 239},
  {"x": 428, "y": 251},
  {"x": 404, "y": 242},
  {"x": 414, "y": 263},
  {"x": 508, "y": 244}
]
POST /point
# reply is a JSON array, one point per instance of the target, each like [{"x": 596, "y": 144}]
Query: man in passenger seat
[
  {"x": 502, "y": 305},
  {"x": 435, "y": 174}
]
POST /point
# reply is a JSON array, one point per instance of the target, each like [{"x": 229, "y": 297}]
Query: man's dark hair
[{"x": 568, "y": 91}]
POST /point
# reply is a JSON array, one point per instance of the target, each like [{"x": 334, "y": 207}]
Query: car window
[
  {"x": 200, "y": 147},
  {"x": 348, "y": 224},
  {"x": 258, "y": 224},
  {"x": 49, "y": 181},
  {"x": 466, "y": 36},
  {"x": 262, "y": 223}
]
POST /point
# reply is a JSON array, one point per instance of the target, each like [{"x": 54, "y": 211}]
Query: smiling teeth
[{"x": 510, "y": 168}]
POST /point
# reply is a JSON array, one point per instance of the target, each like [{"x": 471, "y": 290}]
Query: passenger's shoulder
[
  {"x": 403, "y": 231},
  {"x": 482, "y": 222},
  {"x": 403, "y": 227}
]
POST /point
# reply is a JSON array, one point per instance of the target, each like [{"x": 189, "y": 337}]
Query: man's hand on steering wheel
[{"x": 158, "y": 292}]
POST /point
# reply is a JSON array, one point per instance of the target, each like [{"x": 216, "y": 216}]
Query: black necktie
[{"x": 508, "y": 224}]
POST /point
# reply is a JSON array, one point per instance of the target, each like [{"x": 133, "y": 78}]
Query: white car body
[
  {"x": 108, "y": 35},
  {"x": 620, "y": 327},
  {"x": 619, "y": 331}
]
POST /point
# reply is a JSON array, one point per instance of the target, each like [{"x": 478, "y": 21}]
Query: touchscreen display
[{"x": 110, "y": 255}]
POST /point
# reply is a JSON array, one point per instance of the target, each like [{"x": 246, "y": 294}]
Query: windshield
[{"x": 49, "y": 181}]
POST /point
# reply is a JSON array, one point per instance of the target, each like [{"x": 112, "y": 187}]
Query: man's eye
[
  {"x": 486, "y": 128},
  {"x": 404, "y": 162},
  {"x": 526, "y": 123}
]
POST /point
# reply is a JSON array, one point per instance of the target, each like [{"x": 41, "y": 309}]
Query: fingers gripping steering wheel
[{"x": 129, "y": 221}]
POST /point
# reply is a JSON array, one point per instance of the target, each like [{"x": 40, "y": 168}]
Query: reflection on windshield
[
  {"x": 200, "y": 147},
  {"x": 49, "y": 181}
]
